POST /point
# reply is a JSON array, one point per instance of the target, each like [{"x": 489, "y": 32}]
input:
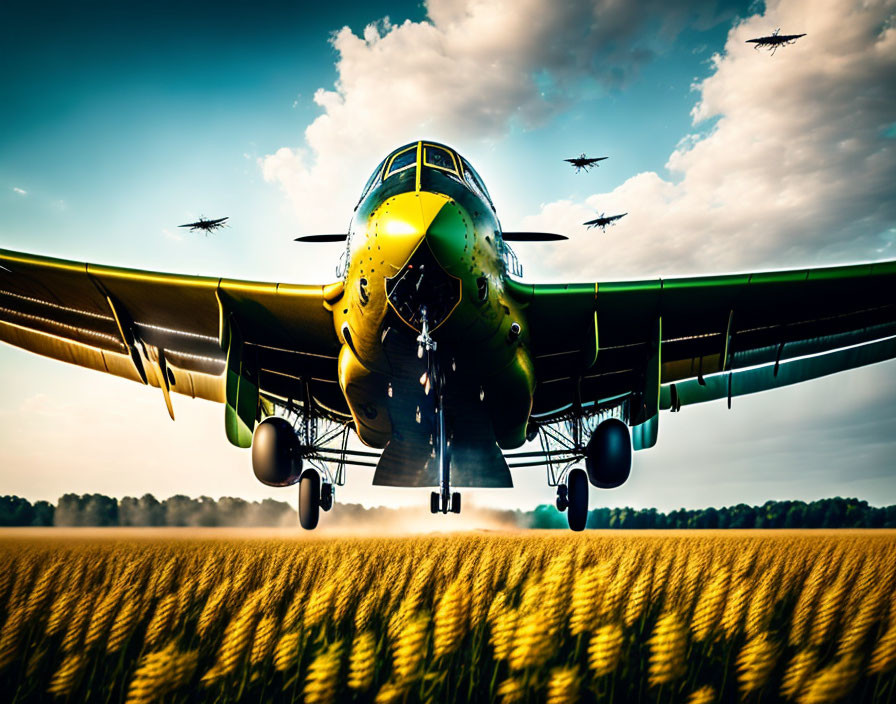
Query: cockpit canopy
[{"x": 402, "y": 165}]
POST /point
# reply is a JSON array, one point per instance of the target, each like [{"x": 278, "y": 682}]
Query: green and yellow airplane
[{"x": 432, "y": 351}]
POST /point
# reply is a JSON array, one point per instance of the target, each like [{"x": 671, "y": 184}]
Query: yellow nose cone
[{"x": 397, "y": 227}]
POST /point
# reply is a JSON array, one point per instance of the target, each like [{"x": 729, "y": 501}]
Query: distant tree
[
  {"x": 708, "y": 518},
  {"x": 179, "y": 510},
  {"x": 43, "y": 514},
  {"x": 86, "y": 510},
  {"x": 599, "y": 518},
  {"x": 15, "y": 511},
  {"x": 796, "y": 515},
  {"x": 890, "y": 519},
  {"x": 145, "y": 511}
]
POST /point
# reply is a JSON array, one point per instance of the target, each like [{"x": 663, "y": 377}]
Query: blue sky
[{"x": 122, "y": 121}]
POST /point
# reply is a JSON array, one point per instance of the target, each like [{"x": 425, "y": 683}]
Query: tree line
[{"x": 100, "y": 510}]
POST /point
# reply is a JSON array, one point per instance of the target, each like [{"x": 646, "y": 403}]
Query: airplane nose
[
  {"x": 414, "y": 231},
  {"x": 449, "y": 236},
  {"x": 395, "y": 230}
]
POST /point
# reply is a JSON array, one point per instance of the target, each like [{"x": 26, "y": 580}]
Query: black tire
[
  {"x": 326, "y": 496},
  {"x": 455, "y": 502},
  {"x": 434, "y": 502},
  {"x": 562, "y": 500},
  {"x": 309, "y": 499},
  {"x": 577, "y": 513}
]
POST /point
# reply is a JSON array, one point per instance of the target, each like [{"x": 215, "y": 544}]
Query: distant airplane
[
  {"x": 774, "y": 40},
  {"x": 585, "y": 162},
  {"x": 207, "y": 225},
  {"x": 603, "y": 221}
]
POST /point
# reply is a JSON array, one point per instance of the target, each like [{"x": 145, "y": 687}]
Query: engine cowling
[
  {"x": 276, "y": 456},
  {"x": 608, "y": 455}
]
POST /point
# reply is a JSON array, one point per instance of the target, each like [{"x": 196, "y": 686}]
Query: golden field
[{"x": 696, "y": 616}]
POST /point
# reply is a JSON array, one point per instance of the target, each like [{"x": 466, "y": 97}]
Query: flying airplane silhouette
[
  {"x": 585, "y": 162},
  {"x": 431, "y": 350},
  {"x": 206, "y": 225},
  {"x": 603, "y": 220},
  {"x": 774, "y": 40}
]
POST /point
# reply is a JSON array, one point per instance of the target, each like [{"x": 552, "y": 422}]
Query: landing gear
[
  {"x": 562, "y": 498},
  {"x": 436, "y": 504},
  {"x": 310, "y": 499},
  {"x": 577, "y": 498},
  {"x": 443, "y": 500},
  {"x": 326, "y": 496}
]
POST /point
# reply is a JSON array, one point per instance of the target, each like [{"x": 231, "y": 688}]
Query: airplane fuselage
[{"x": 425, "y": 243}]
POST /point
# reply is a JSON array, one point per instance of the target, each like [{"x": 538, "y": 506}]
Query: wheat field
[{"x": 703, "y": 616}]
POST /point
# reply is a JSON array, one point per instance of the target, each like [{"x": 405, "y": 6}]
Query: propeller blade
[
  {"x": 321, "y": 238},
  {"x": 532, "y": 237}
]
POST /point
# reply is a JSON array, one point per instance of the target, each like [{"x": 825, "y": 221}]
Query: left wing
[
  {"x": 663, "y": 344},
  {"x": 235, "y": 342}
]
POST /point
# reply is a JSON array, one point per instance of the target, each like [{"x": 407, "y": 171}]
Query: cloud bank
[
  {"x": 475, "y": 69},
  {"x": 798, "y": 168}
]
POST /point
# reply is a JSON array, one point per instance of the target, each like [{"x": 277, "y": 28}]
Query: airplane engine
[
  {"x": 276, "y": 457},
  {"x": 608, "y": 455}
]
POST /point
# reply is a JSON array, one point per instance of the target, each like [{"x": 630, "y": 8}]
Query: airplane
[
  {"x": 603, "y": 220},
  {"x": 207, "y": 225},
  {"x": 584, "y": 162},
  {"x": 774, "y": 40},
  {"x": 432, "y": 351}
]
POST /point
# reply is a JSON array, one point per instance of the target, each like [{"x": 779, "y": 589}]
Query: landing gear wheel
[
  {"x": 455, "y": 502},
  {"x": 434, "y": 502},
  {"x": 562, "y": 498},
  {"x": 577, "y": 514},
  {"x": 326, "y": 496},
  {"x": 309, "y": 499}
]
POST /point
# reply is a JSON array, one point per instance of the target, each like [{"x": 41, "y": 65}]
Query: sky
[{"x": 122, "y": 120}]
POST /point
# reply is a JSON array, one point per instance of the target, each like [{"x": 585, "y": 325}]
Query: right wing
[
  {"x": 663, "y": 344},
  {"x": 235, "y": 342}
]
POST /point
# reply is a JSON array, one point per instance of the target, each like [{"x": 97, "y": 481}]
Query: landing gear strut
[{"x": 443, "y": 500}]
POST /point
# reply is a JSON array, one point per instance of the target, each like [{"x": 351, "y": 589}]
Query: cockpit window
[
  {"x": 474, "y": 182},
  {"x": 440, "y": 158},
  {"x": 375, "y": 179},
  {"x": 403, "y": 160}
]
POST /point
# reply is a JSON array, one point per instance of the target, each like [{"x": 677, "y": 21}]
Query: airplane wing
[
  {"x": 240, "y": 343},
  {"x": 663, "y": 344}
]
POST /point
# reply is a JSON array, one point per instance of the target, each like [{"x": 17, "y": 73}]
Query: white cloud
[
  {"x": 797, "y": 169},
  {"x": 20, "y": 191},
  {"x": 473, "y": 70}
]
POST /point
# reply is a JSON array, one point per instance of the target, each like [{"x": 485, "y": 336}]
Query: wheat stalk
[
  {"x": 605, "y": 649},
  {"x": 667, "y": 650},
  {"x": 362, "y": 664},
  {"x": 161, "y": 672},
  {"x": 451, "y": 619},
  {"x": 323, "y": 674}
]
